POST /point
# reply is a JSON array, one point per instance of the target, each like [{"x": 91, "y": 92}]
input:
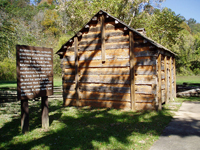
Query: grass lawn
[
  {"x": 187, "y": 79},
  {"x": 83, "y": 128},
  {"x": 57, "y": 81}
]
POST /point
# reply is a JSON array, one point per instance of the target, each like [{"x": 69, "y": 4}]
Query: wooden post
[
  {"x": 174, "y": 66},
  {"x": 132, "y": 70},
  {"x": 103, "y": 54},
  {"x": 45, "y": 112},
  {"x": 166, "y": 80},
  {"x": 170, "y": 75},
  {"x": 24, "y": 116},
  {"x": 159, "y": 84},
  {"x": 76, "y": 70}
]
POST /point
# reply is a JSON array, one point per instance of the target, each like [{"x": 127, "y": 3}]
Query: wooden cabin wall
[
  {"x": 145, "y": 73},
  {"x": 168, "y": 79},
  {"x": 101, "y": 83},
  {"x": 104, "y": 80}
]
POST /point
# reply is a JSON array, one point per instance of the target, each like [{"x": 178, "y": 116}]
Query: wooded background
[{"x": 50, "y": 23}]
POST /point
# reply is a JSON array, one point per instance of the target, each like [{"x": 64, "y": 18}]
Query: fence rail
[{"x": 10, "y": 94}]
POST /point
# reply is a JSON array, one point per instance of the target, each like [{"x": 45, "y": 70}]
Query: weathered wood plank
[
  {"x": 24, "y": 116},
  {"x": 166, "y": 80},
  {"x": 146, "y": 53},
  {"x": 159, "y": 84},
  {"x": 76, "y": 70},
  {"x": 145, "y": 61},
  {"x": 111, "y": 33},
  {"x": 145, "y": 106},
  {"x": 144, "y": 89},
  {"x": 98, "y": 46},
  {"x": 107, "y": 40},
  {"x": 170, "y": 77},
  {"x": 100, "y": 103},
  {"x": 104, "y": 71},
  {"x": 97, "y": 63},
  {"x": 145, "y": 72},
  {"x": 121, "y": 79},
  {"x": 96, "y": 55},
  {"x": 45, "y": 112},
  {"x": 147, "y": 48},
  {"x": 174, "y": 66},
  {"x": 103, "y": 54},
  {"x": 132, "y": 70},
  {"x": 139, "y": 70},
  {"x": 108, "y": 63},
  {"x": 145, "y": 97},
  {"x": 105, "y": 89},
  {"x": 105, "y": 96},
  {"x": 105, "y": 79}
]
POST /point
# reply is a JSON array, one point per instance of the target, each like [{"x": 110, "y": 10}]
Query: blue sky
[{"x": 187, "y": 8}]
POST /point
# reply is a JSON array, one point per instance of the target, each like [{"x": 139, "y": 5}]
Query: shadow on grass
[{"x": 85, "y": 128}]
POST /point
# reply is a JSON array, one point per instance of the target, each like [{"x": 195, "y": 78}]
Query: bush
[{"x": 8, "y": 70}]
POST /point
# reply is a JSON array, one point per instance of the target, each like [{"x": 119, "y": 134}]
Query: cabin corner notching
[{"x": 109, "y": 64}]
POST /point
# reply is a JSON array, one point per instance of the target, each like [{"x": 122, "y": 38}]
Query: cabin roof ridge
[{"x": 61, "y": 50}]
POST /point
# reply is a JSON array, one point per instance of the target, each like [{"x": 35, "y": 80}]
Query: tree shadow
[{"x": 88, "y": 128}]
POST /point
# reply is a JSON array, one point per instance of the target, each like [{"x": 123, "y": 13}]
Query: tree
[
  {"x": 79, "y": 12},
  {"x": 163, "y": 26}
]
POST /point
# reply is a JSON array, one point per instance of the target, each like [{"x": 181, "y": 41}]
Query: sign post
[{"x": 34, "y": 79}]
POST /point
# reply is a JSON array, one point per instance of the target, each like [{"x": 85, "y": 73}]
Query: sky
[{"x": 186, "y": 8}]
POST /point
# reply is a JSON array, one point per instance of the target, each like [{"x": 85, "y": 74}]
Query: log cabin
[{"x": 109, "y": 64}]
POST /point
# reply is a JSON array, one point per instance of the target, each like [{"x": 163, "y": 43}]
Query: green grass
[
  {"x": 57, "y": 81},
  {"x": 83, "y": 128},
  {"x": 187, "y": 79}
]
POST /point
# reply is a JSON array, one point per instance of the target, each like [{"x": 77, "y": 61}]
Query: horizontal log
[
  {"x": 104, "y": 89},
  {"x": 144, "y": 48},
  {"x": 146, "y": 62},
  {"x": 117, "y": 79},
  {"x": 111, "y": 79},
  {"x": 111, "y": 63},
  {"x": 145, "y": 106},
  {"x": 145, "y": 89},
  {"x": 140, "y": 45},
  {"x": 97, "y": 63},
  {"x": 94, "y": 47},
  {"x": 110, "y": 54},
  {"x": 104, "y": 96},
  {"x": 145, "y": 97},
  {"x": 108, "y": 63},
  {"x": 99, "y": 71},
  {"x": 145, "y": 79},
  {"x": 107, "y": 35},
  {"x": 68, "y": 87},
  {"x": 109, "y": 96},
  {"x": 146, "y": 53},
  {"x": 145, "y": 72},
  {"x": 107, "y": 40},
  {"x": 96, "y": 55},
  {"x": 69, "y": 77},
  {"x": 90, "y": 42},
  {"x": 104, "y": 71},
  {"x": 99, "y": 103}
]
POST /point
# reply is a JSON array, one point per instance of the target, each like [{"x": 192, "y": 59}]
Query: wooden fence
[{"x": 10, "y": 94}]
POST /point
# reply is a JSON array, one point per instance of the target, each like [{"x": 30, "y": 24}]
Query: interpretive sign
[{"x": 34, "y": 72}]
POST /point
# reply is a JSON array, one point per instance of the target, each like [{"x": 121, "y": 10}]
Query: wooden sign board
[{"x": 34, "y": 72}]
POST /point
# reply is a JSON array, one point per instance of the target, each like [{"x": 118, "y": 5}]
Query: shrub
[{"x": 8, "y": 70}]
